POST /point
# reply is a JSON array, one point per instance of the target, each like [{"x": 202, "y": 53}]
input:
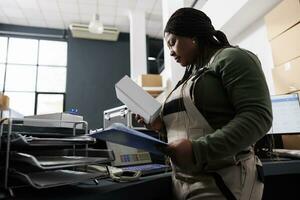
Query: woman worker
[{"x": 215, "y": 113}]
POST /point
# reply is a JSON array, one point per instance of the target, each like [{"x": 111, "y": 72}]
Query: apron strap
[{"x": 222, "y": 186}]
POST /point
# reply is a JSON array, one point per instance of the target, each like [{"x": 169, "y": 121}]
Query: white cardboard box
[
  {"x": 137, "y": 99},
  {"x": 54, "y": 116}
]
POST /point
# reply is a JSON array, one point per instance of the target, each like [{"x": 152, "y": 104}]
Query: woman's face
[{"x": 183, "y": 49}]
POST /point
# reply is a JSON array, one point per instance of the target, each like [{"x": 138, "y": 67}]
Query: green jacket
[{"x": 234, "y": 98}]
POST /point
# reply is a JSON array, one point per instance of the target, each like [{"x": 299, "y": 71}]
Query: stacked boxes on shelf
[
  {"x": 152, "y": 83},
  {"x": 4, "y": 102},
  {"x": 283, "y": 26}
]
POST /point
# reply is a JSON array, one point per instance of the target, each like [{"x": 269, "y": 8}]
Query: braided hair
[{"x": 193, "y": 23}]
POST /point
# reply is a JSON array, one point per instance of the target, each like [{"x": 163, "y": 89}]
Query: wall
[
  {"x": 254, "y": 38},
  {"x": 154, "y": 46},
  {"x": 93, "y": 69}
]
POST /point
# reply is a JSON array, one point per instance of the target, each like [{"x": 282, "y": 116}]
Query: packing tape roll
[{"x": 4, "y": 102}]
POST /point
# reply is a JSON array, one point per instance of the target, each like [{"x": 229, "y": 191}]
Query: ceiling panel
[
  {"x": 47, "y": 5},
  {"x": 121, "y": 11},
  {"x": 37, "y": 23},
  {"x": 56, "y": 24},
  {"x": 158, "y": 7},
  {"x": 127, "y": 3},
  {"x": 2, "y": 14},
  {"x": 31, "y": 4},
  {"x": 85, "y": 18},
  {"x": 59, "y": 13},
  {"x": 32, "y": 14},
  {"x": 87, "y": 8},
  {"x": 122, "y": 21},
  {"x": 108, "y": 2},
  {"x": 70, "y": 17},
  {"x": 67, "y": 1},
  {"x": 93, "y": 2},
  {"x": 52, "y": 16},
  {"x": 69, "y": 8},
  {"x": 19, "y": 21},
  {"x": 12, "y": 12},
  {"x": 4, "y": 20},
  {"x": 145, "y": 5},
  {"x": 107, "y": 10},
  {"x": 108, "y": 21},
  {"x": 8, "y": 3}
]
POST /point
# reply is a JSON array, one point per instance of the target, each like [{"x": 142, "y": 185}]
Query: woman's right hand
[{"x": 156, "y": 125}]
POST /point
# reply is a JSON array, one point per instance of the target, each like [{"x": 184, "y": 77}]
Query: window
[
  {"x": 22, "y": 102},
  {"x": 3, "y": 49},
  {"x": 3, "y": 53},
  {"x": 53, "y": 53},
  {"x": 20, "y": 78},
  {"x": 33, "y": 74},
  {"x": 22, "y": 51},
  {"x": 54, "y": 75},
  {"x": 2, "y": 73},
  {"x": 46, "y": 103}
]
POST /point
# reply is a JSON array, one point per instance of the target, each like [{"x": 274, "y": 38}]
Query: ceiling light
[{"x": 96, "y": 25}]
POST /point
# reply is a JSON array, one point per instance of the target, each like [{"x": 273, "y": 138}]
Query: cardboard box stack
[
  {"x": 283, "y": 27},
  {"x": 152, "y": 83},
  {"x": 4, "y": 102},
  {"x": 4, "y": 105}
]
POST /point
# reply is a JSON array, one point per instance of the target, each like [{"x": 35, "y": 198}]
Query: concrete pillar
[
  {"x": 173, "y": 71},
  {"x": 138, "y": 53}
]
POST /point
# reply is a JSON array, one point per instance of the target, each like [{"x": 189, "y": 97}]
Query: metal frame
[{"x": 10, "y": 122}]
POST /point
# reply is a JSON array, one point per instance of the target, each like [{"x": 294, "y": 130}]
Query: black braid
[
  {"x": 221, "y": 37},
  {"x": 187, "y": 74}
]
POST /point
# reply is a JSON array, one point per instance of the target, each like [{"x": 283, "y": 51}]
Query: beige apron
[{"x": 238, "y": 173}]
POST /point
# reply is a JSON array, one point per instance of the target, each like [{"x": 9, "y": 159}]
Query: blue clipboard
[{"x": 120, "y": 134}]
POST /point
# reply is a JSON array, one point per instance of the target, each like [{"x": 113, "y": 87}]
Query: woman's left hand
[{"x": 181, "y": 153}]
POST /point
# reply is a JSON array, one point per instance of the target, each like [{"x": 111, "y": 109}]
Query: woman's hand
[
  {"x": 181, "y": 153},
  {"x": 156, "y": 125}
]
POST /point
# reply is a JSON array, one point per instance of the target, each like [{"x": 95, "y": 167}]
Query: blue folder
[{"x": 120, "y": 134}]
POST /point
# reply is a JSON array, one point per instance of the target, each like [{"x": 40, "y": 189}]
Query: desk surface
[
  {"x": 147, "y": 188},
  {"x": 273, "y": 167},
  {"x": 153, "y": 187}
]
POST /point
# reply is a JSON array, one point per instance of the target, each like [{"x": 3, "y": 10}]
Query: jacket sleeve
[{"x": 246, "y": 87}]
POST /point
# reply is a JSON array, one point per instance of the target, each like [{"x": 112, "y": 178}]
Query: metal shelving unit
[{"x": 39, "y": 161}]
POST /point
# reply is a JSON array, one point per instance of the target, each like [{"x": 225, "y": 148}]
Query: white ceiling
[
  {"x": 238, "y": 15},
  {"x": 60, "y": 13}
]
